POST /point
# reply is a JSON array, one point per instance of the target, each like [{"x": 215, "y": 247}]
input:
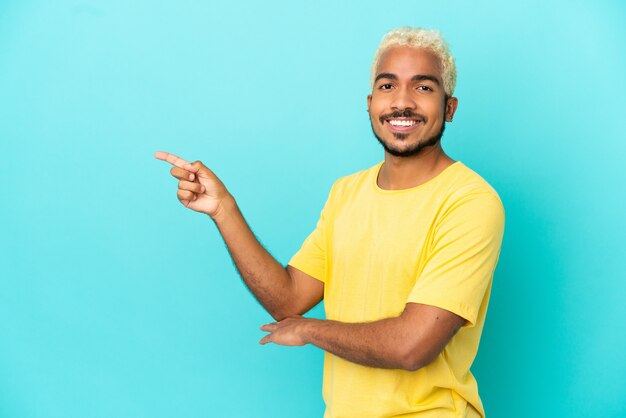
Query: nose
[{"x": 402, "y": 99}]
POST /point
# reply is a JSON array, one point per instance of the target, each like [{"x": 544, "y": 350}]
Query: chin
[
  {"x": 403, "y": 145},
  {"x": 407, "y": 147}
]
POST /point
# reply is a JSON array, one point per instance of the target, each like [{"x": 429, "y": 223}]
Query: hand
[
  {"x": 199, "y": 188},
  {"x": 289, "y": 331}
]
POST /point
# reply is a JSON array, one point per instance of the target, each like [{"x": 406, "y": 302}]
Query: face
[{"x": 408, "y": 106}]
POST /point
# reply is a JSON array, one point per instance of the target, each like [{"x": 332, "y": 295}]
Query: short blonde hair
[{"x": 420, "y": 38}]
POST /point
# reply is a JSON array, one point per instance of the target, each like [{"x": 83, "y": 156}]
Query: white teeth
[{"x": 402, "y": 122}]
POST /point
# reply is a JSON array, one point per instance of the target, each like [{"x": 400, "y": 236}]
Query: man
[{"x": 403, "y": 253}]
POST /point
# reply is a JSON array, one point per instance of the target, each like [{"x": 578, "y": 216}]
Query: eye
[
  {"x": 386, "y": 86},
  {"x": 424, "y": 88}
]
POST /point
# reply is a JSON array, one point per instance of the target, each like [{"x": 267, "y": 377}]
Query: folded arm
[{"x": 409, "y": 341}]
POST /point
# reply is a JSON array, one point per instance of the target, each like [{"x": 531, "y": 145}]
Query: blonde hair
[{"x": 420, "y": 38}]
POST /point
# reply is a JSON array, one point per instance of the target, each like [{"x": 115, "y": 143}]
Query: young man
[{"x": 403, "y": 253}]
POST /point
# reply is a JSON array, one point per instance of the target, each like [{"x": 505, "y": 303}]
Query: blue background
[{"x": 116, "y": 301}]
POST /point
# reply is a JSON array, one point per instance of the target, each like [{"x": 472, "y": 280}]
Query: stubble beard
[{"x": 413, "y": 150}]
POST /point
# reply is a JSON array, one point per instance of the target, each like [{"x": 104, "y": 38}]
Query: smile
[
  {"x": 402, "y": 122},
  {"x": 402, "y": 125}
]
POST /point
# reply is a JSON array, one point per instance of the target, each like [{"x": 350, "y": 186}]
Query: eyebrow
[{"x": 417, "y": 77}]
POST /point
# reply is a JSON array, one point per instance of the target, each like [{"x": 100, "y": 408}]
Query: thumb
[{"x": 200, "y": 169}]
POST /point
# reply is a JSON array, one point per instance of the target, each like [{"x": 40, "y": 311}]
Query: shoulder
[
  {"x": 468, "y": 196},
  {"x": 465, "y": 181},
  {"x": 466, "y": 184}
]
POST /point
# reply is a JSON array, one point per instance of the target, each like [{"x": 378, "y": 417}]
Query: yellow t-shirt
[{"x": 375, "y": 250}]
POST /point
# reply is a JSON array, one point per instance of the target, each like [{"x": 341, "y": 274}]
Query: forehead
[{"x": 408, "y": 61}]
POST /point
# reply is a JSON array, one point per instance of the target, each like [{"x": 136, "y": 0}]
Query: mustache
[{"x": 406, "y": 113}]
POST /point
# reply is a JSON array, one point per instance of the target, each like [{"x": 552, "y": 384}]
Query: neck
[{"x": 399, "y": 173}]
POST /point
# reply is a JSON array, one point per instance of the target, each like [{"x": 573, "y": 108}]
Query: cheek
[
  {"x": 374, "y": 120},
  {"x": 436, "y": 110},
  {"x": 377, "y": 103},
  {"x": 374, "y": 113}
]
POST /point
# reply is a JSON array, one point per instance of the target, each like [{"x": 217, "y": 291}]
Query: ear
[
  {"x": 451, "y": 105},
  {"x": 369, "y": 102}
]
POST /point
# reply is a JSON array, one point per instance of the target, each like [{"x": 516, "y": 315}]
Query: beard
[{"x": 414, "y": 149}]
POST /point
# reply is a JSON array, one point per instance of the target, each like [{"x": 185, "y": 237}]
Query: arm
[
  {"x": 409, "y": 341},
  {"x": 281, "y": 291}
]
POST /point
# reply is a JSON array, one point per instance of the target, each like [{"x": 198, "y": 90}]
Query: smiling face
[{"x": 408, "y": 106}]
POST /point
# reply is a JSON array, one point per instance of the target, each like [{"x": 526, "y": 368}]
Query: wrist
[
  {"x": 225, "y": 209},
  {"x": 308, "y": 329}
]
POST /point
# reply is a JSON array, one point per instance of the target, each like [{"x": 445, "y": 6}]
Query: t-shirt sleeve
[
  {"x": 312, "y": 256},
  {"x": 463, "y": 256}
]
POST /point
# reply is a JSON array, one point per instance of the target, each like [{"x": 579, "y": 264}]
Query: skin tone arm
[
  {"x": 281, "y": 291},
  {"x": 409, "y": 342}
]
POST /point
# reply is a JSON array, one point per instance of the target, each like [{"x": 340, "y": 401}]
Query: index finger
[{"x": 172, "y": 159}]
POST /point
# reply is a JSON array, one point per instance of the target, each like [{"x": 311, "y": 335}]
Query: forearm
[
  {"x": 410, "y": 341},
  {"x": 381, "y": 344},
  {"x": 267, "y": 279}
]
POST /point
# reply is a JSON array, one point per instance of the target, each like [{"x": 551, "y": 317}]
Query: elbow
[
  {"x": 279, "y": 315},
  {"x": 412, "y": 359},
  {"x": 411, "y": 364},
  {"x": 286, "y": 312}
]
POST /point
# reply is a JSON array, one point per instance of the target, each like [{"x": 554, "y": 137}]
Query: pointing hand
[{"x": 199, "y": 188}]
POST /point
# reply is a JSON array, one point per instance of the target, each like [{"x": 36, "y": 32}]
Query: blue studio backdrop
[{"x": 116, "y": 301}]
